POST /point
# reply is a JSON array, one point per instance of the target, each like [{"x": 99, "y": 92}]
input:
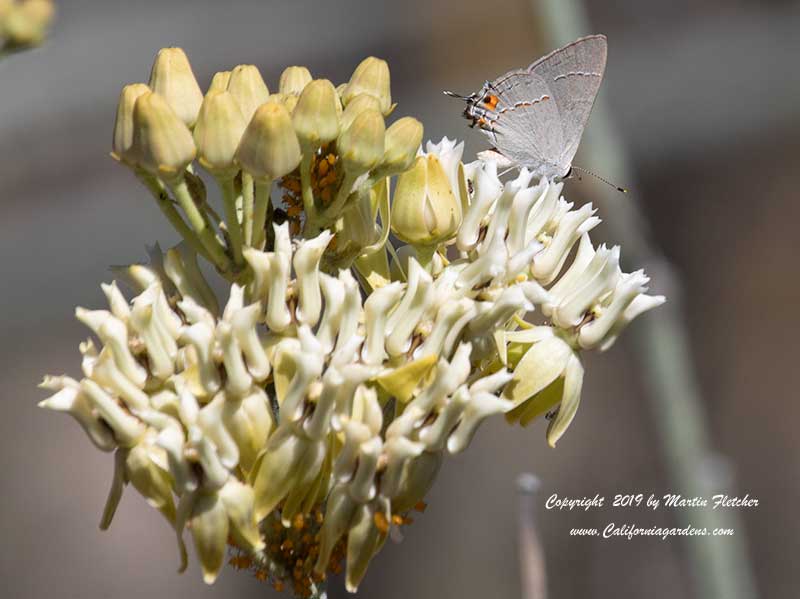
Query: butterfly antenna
[{"x": 599, "y": 178}]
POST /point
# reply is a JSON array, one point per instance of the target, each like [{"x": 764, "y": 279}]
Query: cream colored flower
[{"x": 296, "y": 424}]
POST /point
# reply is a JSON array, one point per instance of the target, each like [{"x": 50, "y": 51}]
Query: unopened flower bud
[
  {"x": 315, "y": 118},
  {"x": 249, "y": 89},
  {"x": 294, "y": 80},
  {"x": 361, "y": 145},
  {"x": 219, "y": 83},
  {"x": 6, "y": 6},
  {"x": 402, "y": 142},
  {"x": 123, "y": 126},
  {"x": 288, "y": 100},
  {"x": 173, "y": 79},
  {"x": 162, "y": 143},
  {"x": 371, "y": 77},
  {"x": 218, "y": 132},
  {"x": 269, "y": 146},
  {"x": 424, "y": 210},
  {"x": 26, "y": 23},
  {"x": 358, "y": 105}
]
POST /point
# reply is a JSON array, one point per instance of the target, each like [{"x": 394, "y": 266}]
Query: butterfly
[{"x": 535, "y": 116}]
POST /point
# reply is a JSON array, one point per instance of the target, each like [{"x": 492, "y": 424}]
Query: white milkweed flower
[
  {"x": 298, "y": 423},
  {"x": 187, "y": 399}
]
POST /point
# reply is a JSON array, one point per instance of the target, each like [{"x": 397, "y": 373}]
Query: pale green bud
[
  {"x": 249, "y": 89},
  {"x": 371, "y": 77},
  {"x": 219, "y": 82},
  {"x": 287, "y": 101},
  {"x": 294, "y": 80},
  {"x": 269, "y": 146},
  {"x": 315, "y": 119},
  {"x": 162, "y": 143},
  {"x": 361, "y": 145},
  {"x": 123, "y": 126},
  {"x": 218, "y": 132},
  {"x": 403, "y": 139},
  {"x": 173, "y": 79},
  {"x": 26, "y": 23},
  {"x": 290, "y": 102},
  {"x": 424, "y": 210},
  {"x": 356, "y": 106}
]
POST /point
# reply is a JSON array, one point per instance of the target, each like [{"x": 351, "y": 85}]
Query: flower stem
[
  {"x": 336, "y": 207},
  {"x": 163, "y": 201},
  {"x": 199, "y": 224},
  {"x": 231, "y": 218},
  {"x": 262, "y": 204},
  {"x": 305, "y": 185},
  {"x": 247, "y": 208}
]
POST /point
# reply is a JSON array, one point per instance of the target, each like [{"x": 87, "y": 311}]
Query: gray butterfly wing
[
  {"x": 527, "y": 129},
  {"x": 573, "y": 74}
]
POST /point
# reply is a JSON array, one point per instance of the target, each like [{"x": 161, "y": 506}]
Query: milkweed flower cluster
[
  {"x": 298, "y": 423},
  {"x": 24, "y": 23}
]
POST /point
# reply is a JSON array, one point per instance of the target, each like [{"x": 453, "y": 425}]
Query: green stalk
[
  {"x": 247, "y": 208},
  {"x": 231, "y": 218},
  {"x": 156, "y": 188},
  {"x": 262, "y": 204},
  {"x": 199, "y": 224}
]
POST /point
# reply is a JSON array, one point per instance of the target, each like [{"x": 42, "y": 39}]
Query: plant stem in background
[
  {"x": 533, "y": 575},
  {"x": 720, "y": 565}
]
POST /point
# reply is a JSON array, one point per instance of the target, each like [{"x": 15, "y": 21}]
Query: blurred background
[{"x": 703, "y": 106}]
